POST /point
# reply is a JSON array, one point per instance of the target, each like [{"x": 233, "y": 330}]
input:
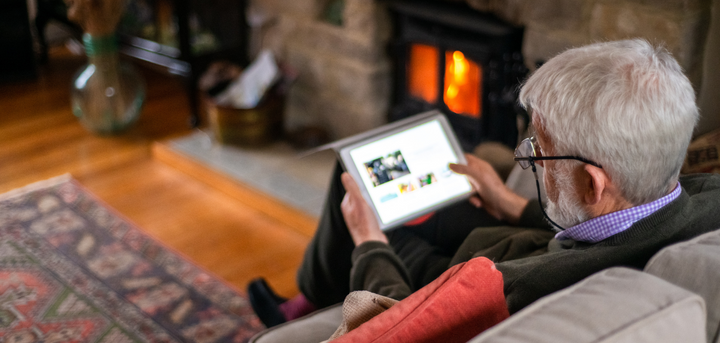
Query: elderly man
[{"x": 612, "y": 124}]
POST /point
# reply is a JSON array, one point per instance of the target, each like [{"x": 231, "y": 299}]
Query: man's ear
[{"x": 597, "y": 180}]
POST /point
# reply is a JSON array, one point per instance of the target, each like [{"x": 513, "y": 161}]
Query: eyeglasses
[{"x": 530, "y": 151}]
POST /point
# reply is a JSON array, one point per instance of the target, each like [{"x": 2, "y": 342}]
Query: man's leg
[{"x": 324, "y": 275}]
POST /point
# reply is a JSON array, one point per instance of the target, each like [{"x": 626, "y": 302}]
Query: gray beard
[{"x": 567, "y": 211}]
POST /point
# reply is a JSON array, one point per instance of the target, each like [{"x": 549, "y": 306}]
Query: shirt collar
[{"x": 600, "y": 228}]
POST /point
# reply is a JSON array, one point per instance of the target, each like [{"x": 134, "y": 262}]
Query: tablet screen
[{"x": 407, "y": 172}]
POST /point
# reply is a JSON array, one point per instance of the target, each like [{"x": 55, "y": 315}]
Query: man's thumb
[
  {"x": 459, "y": 168},
  {"x": 349, "y": 183}
]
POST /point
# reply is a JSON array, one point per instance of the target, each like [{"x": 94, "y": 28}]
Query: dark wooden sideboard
[
  {"x": 185, "y": 36},
  {"x": 17, "y": 59}
]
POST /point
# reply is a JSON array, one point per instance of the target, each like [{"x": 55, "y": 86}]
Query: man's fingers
[
  {"x": 475, "y": 201},
  {"x": 465, "y": 169}
]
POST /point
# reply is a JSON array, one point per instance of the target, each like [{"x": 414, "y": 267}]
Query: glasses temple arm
[{"x": 543, "y": 158}]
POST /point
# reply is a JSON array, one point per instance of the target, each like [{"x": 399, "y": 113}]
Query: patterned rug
[{"x": 73, "y": 270}]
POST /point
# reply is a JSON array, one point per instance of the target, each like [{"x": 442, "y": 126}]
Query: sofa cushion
[
  {"x": 614, "y": 305},
  {"x": 313, "y": 328},
  {"x": 695, "y": 266},
  {"x": 462, "y": 302}
]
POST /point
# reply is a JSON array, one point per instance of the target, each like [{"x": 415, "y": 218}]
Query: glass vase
[{"x": 107, "y": 94}]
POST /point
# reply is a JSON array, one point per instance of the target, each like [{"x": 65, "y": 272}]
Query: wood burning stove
[{"x": 465, "y": 63}]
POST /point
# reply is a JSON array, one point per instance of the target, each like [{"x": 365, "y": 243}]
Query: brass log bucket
[{"x": 248, "y": 127}]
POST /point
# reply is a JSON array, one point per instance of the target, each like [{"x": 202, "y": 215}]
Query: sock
[{"x": 296, "y": 307}]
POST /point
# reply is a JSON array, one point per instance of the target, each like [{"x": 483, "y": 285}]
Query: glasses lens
[{"x": 525, "y": 149}]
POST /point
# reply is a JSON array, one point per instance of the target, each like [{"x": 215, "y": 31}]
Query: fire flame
[
  {"x": 463, "y": 82},
  {"x": 463, "y": 79}
]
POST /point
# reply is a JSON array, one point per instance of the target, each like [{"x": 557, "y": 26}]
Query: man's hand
[
  {"x": 492, "y": 194},
  {"x": 358, "y": 215}
]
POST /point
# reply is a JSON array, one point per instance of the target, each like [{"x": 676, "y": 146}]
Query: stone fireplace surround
[{"x": 344, "y": 82}]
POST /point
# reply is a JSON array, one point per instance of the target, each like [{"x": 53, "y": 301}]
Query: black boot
[{"x": 266, "y": 303}]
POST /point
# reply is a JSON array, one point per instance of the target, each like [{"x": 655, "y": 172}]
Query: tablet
[{"x": 403, "y": 170}]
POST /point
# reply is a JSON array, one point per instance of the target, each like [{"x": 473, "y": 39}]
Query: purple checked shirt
[{"x": 600, "y": 228}]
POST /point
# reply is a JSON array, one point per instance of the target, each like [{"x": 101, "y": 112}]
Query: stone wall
[
  {"x": 709, "y": 95},
  {"x": 344, "y": 76},
  {"x": 344, "y": 81},
  {"x": 555, "y": 25}
]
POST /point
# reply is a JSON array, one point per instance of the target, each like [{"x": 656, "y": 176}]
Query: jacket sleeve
[{"x": 376, "y": 268}]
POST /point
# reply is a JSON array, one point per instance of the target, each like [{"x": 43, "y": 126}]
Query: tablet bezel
[{"x": 420, "y": 119}]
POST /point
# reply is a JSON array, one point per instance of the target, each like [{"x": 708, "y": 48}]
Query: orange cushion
[
  {"x": 464, "y": 301},
  {"x": 420, "y": 220}
]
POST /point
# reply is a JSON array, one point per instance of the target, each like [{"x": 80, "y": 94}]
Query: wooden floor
[{"x": 236, "y": 235}]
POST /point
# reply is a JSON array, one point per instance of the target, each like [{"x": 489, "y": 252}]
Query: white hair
[{"x": 625, "y": 105}]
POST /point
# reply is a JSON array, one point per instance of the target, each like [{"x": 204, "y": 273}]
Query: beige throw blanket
[{"x": 358, "y": 308}]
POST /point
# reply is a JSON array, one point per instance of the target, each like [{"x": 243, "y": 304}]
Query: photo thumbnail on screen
[
  {"x": 415, "y": 184},
  {"x": 407, "y": 187},
  {"x": 428, "y": 179},
  {"x": 387, "y": 168}
]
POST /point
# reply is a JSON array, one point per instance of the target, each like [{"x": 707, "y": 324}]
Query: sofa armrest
[
  {"x": 612, "y": 306},
  {"x": 695, "y": 266}
]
